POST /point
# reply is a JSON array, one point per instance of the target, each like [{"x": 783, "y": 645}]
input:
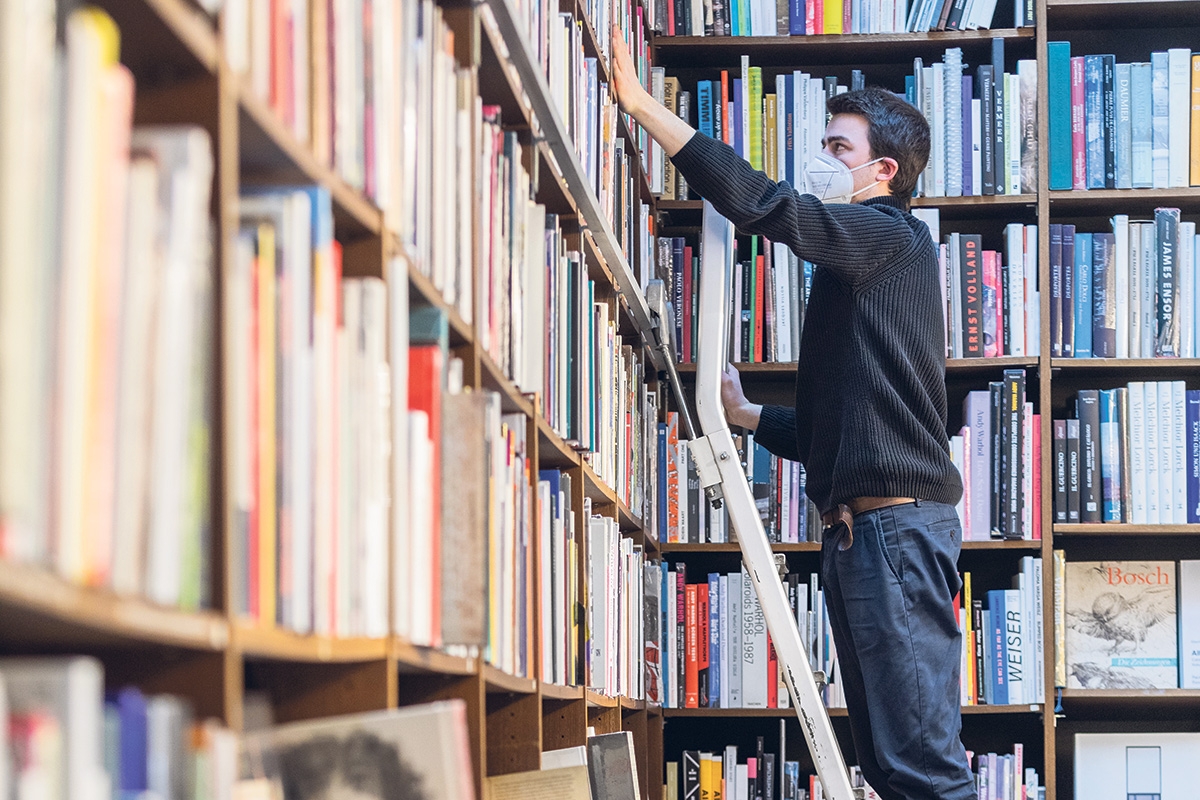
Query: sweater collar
[{"x": 887, "y": 200}]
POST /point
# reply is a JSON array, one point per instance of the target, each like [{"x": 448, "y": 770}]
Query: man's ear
[{"x": 888, "y": 168}]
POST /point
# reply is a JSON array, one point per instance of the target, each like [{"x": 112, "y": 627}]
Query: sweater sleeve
[
  {"x": 777, "y": 432},
  {"x": 849, "y": 239}
]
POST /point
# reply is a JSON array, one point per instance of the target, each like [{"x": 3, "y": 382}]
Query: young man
[{"x": 869, "y": 423}]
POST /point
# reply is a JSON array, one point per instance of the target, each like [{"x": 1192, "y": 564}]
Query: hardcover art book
[
  {"x": 1120, "y": 620},
  {"x": 416, "y": 753}
]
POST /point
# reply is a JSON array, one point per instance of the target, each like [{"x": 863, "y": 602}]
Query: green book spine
[{"x": 756, "y": 118}]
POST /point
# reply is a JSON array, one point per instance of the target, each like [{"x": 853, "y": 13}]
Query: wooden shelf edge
[
  {"x": 416, "y": 658},
  {"x": 750, "y": 42},
  {"x": 1171, "y": 364},
  {"x": 1002, "y": 544},
  {"x": 500, "y": 682},
  {"x": 733, "y": 547},
  {"x": 1124, "y": 529},
  {"x": 280, "y": 644},
  {"x": 555, "y": 691},
  {"x": 597, "y": 700},
  {"x": 193, "y": 29},
  {"x": 1148, "y": 695},
  {"x": 95, "y": 611},
  {"x": 750, "y": 713}
]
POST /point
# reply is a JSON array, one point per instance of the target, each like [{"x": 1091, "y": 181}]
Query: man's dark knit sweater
[{"x": 870, "y": 415}]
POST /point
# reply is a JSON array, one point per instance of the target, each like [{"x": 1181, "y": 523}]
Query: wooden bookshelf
[
  {"x": 214, "y": 658},
  {"x": 835, "y": 713}
]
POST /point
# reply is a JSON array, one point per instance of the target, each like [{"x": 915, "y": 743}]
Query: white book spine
[
  {"x": 952, "y": 121},
  {"x": 1151, "y": 416},
  {"x": 1013, "y": 134},
  {"x": 937, "y": 156},
  {"x": 1189, "y": 624},
  {"x": 1015, "y": 246},
  {"x": 1014, "y": 651},
  {"x": 1179, "y": 76},
  {"x": 1185, "y": 266},
  {"x": 1120, "y": 225},
  {"x": 754, "y": 648},
  {"x": 1137, "y": 452},
  {"x": 1033, "y": 296},
  {"x": 1166, "y": 461},
  {"x": 783, "y": 309},
  {"x": 1039, "y": 631},
  {"x": 734, "y": 681},
  {"x": 1135, "y": 291}
]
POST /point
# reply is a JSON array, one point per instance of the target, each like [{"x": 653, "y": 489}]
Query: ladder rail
[{"x": 721, "y": 475}]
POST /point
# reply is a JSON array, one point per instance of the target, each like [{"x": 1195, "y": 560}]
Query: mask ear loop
[{"x": 860, "y": 166}]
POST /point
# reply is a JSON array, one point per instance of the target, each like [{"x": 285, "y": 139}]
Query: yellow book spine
[
  {"x": 772, "y": 154},
  {"x": 706, "y": 777},
  {"x": 266, "y": 424},
  {"x": 1195, "y": 149},
  {"x": 833, "y": 16},
  {"x": 756, "y": 118},
  {"x": 718, "y": 778},
  {"x": 969, "y": 638}
]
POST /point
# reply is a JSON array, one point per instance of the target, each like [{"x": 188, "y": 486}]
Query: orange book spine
[{"x": 267, "y": 433}]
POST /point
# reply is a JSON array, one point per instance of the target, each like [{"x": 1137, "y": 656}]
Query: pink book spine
[{"x": 1078, "y": 140}]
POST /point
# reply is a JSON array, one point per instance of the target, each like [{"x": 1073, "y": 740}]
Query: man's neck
[{"x": 880, "y": 189}]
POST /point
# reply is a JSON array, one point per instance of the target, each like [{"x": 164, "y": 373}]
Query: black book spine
[
  {"x": 1060, "y": 471},
  {"x": 1068, "y": 291},
  {"x": 1108, "y": 80},
  {"x": 1073, "y": 470},
  {"x": 1000, "y": 152},
  {"x": 981, "y": 674},
  {"x": 760, "y": 783},
  {"x": 995, "y": 392},
  {"x": 1014, "y": 402},
  {"x": 691, "y": 775},
  {"x": 1166, "y": 223},
  {"x": 1088, "y": 411},
  {"x": 1005, "y": 308}
]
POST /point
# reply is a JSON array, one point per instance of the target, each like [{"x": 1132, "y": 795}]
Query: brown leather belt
[{"x": 844, "y": 513}]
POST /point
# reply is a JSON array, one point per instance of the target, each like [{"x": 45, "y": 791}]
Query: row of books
[
  {"x": 1003, "y": 653},
  {"x": 995, "y": 452},
  {"x": 1122, "y": 126},
  {"x": 615, "y": 609},
  {"x": 992, "y": 300},
  {"x": 1127, "y": 624},
  {"x": 1005, "y": 776},
  {"x": 762, "y": 776},
  {"x": 1128, "y": 293},
  {"x": 1130, "y": 454},
  {"x": 64, "y": 737},
  {"x": 817, "y": 17},
  {"x": 106, "y": 318},
  {"x": 716, "y": 652},
  {"x": 306, "y": 387},
  {"x": 983, "y": 127}
]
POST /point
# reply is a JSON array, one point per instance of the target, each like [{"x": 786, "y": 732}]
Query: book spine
[
  {"x": 1124, "y": 128},
  {"x": 1059, "y": 88},
  {"x": 1141, "y": 126},
  {"x": 1060, "y": 471},
  {"x": 1088, "y": 407},
  {"x": 1079, "y": 153},
  {"x": 1166, "y": 222},
  {"x": 1093, "y": 100}
]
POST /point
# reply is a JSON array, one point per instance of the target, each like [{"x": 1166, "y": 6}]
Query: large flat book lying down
[{"x": 423, "y": 749}]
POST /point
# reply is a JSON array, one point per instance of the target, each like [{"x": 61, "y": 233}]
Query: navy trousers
[{"x": 890, "y": 600}]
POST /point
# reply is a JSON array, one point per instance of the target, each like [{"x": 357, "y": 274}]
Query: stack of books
[
  {"x": 1003, "y": 654},
  {"x": 1128, "y": 293},
  {"x": 1130, "y": 454},
  {"x": 107, "y": 296},
  {"x": 1122, "y": 126}
]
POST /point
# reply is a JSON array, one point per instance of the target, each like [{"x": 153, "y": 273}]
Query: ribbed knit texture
[{"x": 870, "y": 415}]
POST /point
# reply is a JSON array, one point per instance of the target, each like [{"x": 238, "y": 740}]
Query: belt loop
[
  {"x": 847, "y": 519},
  {"x": 917, "y": 502}
]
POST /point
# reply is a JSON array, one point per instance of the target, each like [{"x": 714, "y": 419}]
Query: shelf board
[
  {"x": 1001, "y": 544},
  {"x": 1122, "y": 14},
  {"x": 1188, "y": 366},
  {"x": 1125, "y": 529},
  {"x": 629, "y": 704},
  {"x": 500, "y": 682},
  {"x": 511, "y": 399},
  {"x": 271, "y": 154},
  {"x": 975, "y": 201},
  {"x": 1130, "y": 201},
  {"x": 717, "y": 51},
  {"x": 164, "y": 36},
  {"x": 553, "y": 450},
  {"x": 783, "y": 713},
  {"x": 422, "y": 291},
  {"x": 415, "y": 658},
  {"x": 597, "y": 700},
  {"x": 554, "y": 691},
  {"x": 1126, "y": 703},
  {"x": 278, "y": 644},
  {"x": 39, "y": 608},
  {"x": 953, "y": 365},
  {"x": 734, "y": 547}
]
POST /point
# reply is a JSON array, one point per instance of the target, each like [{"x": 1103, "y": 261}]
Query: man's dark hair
[{"x": 895, "y": 129}]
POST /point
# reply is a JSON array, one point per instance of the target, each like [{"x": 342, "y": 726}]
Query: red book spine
[
  {"x": 725, "y": 134},
  {"x": 702, "y": 665},
  {"x": 814, "y": 16},
  {"x": 691, "y": 678},
  {"x": 758, "y": 308},
  {"x": 425, "y": 394},
  {"x": 772, "y": 674},
  {"x": 1078, "y": 133}
]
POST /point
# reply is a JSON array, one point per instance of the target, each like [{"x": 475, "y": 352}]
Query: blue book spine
[
  {"x": 1141, "y": 143},
  {"x": 1110, "y": 455},
  {"x": 714, "y": 640},
  {"x": 1160, "y": 127},
  {"x": 736, "y": 122},
  {"x": 796, "y": 17},
  {"x": 1093, "y": 115},
  {"x": 1124, "y": 131},
  {"x": 1083, "y": 295},
  {"x": 999, "y": 668},
  {"x": 789, "y": 117},
  {"x": 133, "y": 779},
  {"x": 1059, "y": 88},
  {"x": 704, "y": 95},
  {"x": 910, "y": 89},
  {"x": 1192, "y": 436},
  {"x": 735, "y": 17}
]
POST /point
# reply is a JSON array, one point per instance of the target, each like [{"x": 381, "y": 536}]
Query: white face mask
[{"x": 831, "y": 181}]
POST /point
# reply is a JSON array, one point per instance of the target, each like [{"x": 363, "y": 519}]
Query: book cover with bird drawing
[{"x": 1120, "y": 618}]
